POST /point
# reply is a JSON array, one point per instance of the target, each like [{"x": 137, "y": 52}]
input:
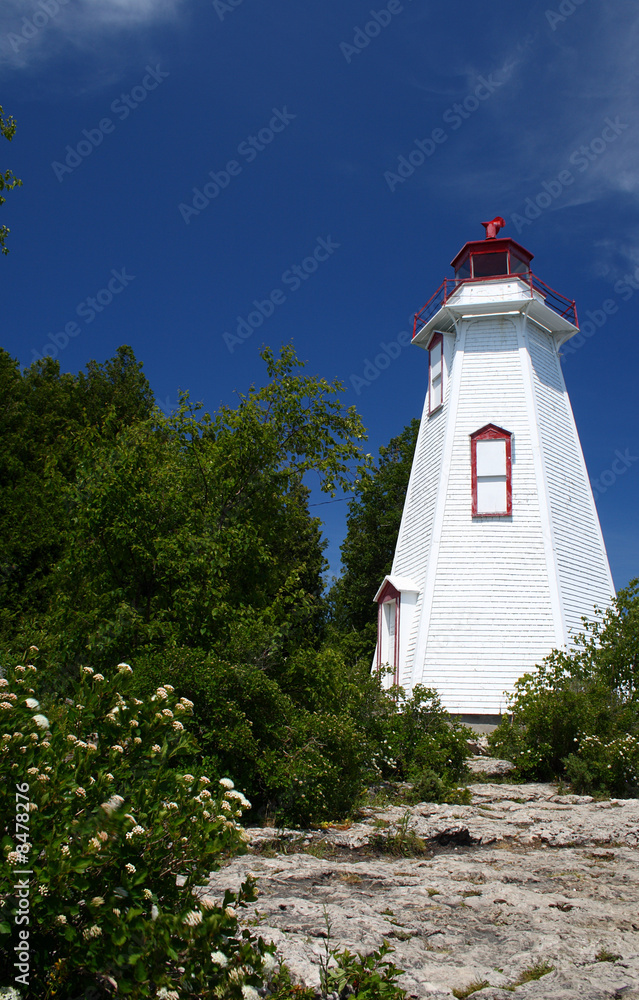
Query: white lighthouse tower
[{"x": 500, "y": 552}]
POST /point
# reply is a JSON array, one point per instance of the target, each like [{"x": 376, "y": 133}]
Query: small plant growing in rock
[
  {"x": 536, "y": 971},
  {"x": 604, "y": 955},
  {"x": 282, "y": 987},
  {"x": 365, "y": 977},
  {"x": 474, "y": 987},
  {"x": 402, "y": 841}
]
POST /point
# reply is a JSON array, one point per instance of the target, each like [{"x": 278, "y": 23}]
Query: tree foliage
[
  {"x": 193, "y": 530},
  {"x": 44, "y": 415},
  {"x": 7, "y": 179},
  {"x": 578, "y": 713},
  {"x": 368, "y": 549}
]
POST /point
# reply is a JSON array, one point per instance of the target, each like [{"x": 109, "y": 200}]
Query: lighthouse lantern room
[{"x": 499, "y": 552}]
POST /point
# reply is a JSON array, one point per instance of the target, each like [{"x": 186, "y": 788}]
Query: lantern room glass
[{"x": 480, "y": 263}]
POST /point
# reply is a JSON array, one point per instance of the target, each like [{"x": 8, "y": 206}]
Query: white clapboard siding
[
  {"x": 414, "y": 537},
  {"x": 584, "y": 573},
  {"x": 490, "y": 572},
  {"x": 494, "y": 595}
]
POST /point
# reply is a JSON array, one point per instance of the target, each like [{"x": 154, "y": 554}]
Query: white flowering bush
[
  {"x": 607, "y": 765},
  {"x": 577, "y": 714},
  {"x": 118, "y": 838}
]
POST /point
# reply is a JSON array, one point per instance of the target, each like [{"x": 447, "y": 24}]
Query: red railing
[{"x": 558, "y": 303}]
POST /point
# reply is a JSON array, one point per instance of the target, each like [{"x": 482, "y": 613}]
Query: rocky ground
[{"x": 521, "y": 880}]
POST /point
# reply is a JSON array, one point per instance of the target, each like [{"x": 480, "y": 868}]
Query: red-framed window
[
  {"x": 435, "y": 372},
  {"x": 491, "y": 466},
  {"x": 388, "y": 629}
]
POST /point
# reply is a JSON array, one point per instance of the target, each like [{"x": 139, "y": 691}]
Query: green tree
[
  {"x": 7, "y": 179},
  {"x": 44, "y": 415},
  {"x": 373, "y": 525},
  {"x": 194, "y": 531}
]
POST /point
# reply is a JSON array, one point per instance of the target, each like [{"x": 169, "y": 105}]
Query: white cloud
[{"x": 36, "y": 31}]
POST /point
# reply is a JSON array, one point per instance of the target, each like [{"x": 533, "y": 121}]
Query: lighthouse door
[{"x": 388, "y": 633}]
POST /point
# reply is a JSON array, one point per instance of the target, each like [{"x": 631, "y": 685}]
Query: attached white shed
[{"x": 500, "y": 552}]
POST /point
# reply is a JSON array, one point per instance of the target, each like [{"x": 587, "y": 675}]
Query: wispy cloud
[
  {"x": 35, "y": 31},
  {"x": 590, "y": 66}
]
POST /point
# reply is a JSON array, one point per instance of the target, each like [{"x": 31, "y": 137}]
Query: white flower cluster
[
  {"x": 269, "y": 963},
  {"x": 91, "y": 932},
  {"x": 115, "y": 802},
  {"x": 137, "y": 831},
  {"x": 241, "y": 799},
  {"x": 9, "y": 993}
]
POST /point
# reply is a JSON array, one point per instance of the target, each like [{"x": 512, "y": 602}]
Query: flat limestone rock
[
  {"x": 522, "y": 879},
  {"x": 490, "y": 766}
]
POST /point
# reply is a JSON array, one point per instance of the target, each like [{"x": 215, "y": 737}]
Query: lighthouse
[{"x": 500, "y": 552}]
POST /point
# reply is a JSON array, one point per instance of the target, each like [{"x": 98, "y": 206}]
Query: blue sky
[{"x": 183, "y": 161}]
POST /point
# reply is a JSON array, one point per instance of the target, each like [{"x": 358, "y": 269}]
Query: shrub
[
  {"x": 429, "y": 787},
  {"x": 421, "y": 737},
  {"x": 316, "y": 772},
  {"x": 366, "y": 977},
  {"x": 578, "y": 713},
  {"x": 107, "y": 822},
  {"x": 605, "y": 765}
]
